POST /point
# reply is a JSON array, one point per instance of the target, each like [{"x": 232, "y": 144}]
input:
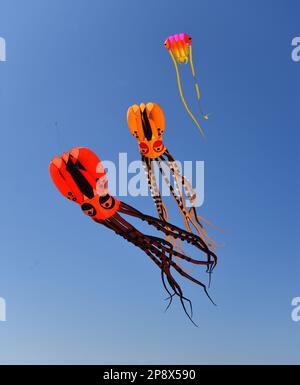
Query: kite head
[
  {"x": 147, "y": 124},
  {"x": 80, "y": 177},
  {"x": 178, "y": 46},
  {"x": 100, "y": 207}
]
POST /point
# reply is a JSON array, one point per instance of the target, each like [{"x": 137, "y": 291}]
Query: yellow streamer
[
  {"x": 181, "y": 94},
  {"x": 196, "y": 83}
]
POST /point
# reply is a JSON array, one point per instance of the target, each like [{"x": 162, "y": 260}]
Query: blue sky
[{"x": 76, "y": 292}]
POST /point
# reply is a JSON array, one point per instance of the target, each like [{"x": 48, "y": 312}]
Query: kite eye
[
  {"x": 188, "y": 39},
  {"x": 71, "y": 196},
  {"x": 88, "y": 209},
  {"x": 158, "y": 146},
  {"x": 107, "y": 202},
  {"x": 144, "y": 149}
]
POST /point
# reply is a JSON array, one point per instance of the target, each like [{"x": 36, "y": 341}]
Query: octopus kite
[
  {"x": 80, "y": 177},
  {"x": 147, "y": 124},
  {"x": 180, "y": 50}
]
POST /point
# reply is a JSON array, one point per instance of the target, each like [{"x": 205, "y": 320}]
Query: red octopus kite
[{"x": 81, "y": 178}]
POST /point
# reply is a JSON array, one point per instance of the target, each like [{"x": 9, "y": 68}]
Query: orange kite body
[
  {"x": 147, "y": 124},
  {"x": 80, "y": 177}
]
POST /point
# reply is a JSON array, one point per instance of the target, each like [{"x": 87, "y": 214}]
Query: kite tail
[
  {"x": 192, "y": 216},
  {"x": 160, "y": 250},
  {"x": 205, "y": 116},
  {"x": 161, "y": 207},
  {"x": 182, "y": 97},
  {"x": 176, "y": 232},
  {"x": 189, "y": 215}
]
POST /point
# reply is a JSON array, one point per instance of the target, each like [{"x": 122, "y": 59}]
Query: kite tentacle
[
  {"x": 172, "y": 165},
  {"x": 179, "y": 201},
  {"x": 184, "y": 274},
  {"x": 191, "y": 214},
  {"x": 175, "y": 286},
  {"x": 156, "y": 247},
  {"x": 175, "y": 232},
  {"x": 182, "y": 97},
  {"x": 160, "y": 206},
  {"x": 212, "y": 243},
  {"x": 189, "y": 238},
  {"x": 169, "y": 247},
  {"x": 191, "y": 195},
  {"x": 156, "y": 250},
  {"x": 205, "y": 116},
  {"x": 154, "y": 190}
]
